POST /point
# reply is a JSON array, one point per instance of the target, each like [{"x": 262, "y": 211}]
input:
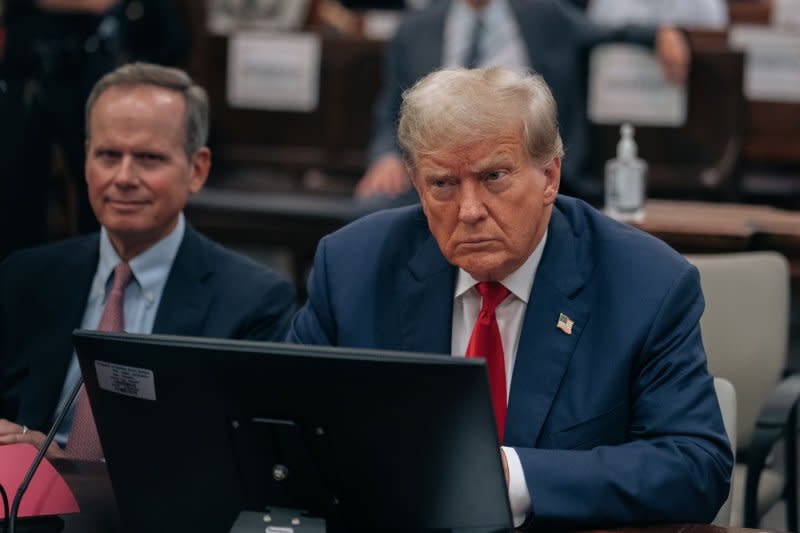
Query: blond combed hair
[{"x": 456, "y": 107}]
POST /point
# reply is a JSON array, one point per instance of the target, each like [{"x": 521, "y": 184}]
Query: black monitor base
[{"x": 277, "y": 520}]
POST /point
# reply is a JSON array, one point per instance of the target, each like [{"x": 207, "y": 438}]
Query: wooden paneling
[{"x": 749, "y": 11}]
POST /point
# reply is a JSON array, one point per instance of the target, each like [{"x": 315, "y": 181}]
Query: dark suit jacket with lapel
[
  {"x": 616, "y": 423},
  {"x": 210, "y": 292},
  {"x": 557, "y": 38}
]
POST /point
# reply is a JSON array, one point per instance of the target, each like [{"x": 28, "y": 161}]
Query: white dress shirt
[
  {"x": 510, "y": 316},
  {"x": 142, "y": 296},
  {"x": 501, "y": 42},
  {"x": 684, "y": 13}
]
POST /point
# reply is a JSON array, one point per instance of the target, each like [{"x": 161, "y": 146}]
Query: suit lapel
[
  {"x": 77, "y": 282},
  {"x": 526, "y": 29},
  {"x": 544, "y": 351},
  {"x": 430, "y": 38},
  {"x": 427, "y": 300},
  {"x": 51, "y": 350},
  {"x": 183, "y": 306}
]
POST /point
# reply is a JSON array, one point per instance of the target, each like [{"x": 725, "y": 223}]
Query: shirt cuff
[{"x": 518, "y": 495}]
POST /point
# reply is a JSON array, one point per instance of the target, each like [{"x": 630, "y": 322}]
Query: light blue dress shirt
[
  {"x": 501, "y": 42},
  {"x": 684, "y": 13},
  {"x": 142, "y": 296}
]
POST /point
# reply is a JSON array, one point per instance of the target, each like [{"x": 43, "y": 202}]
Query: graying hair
[
  {"x": 194, "y": 97},
  {"x": 450, "y": 108}
]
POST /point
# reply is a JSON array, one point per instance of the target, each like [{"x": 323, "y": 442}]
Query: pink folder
[{"x": 47, "y": 494}]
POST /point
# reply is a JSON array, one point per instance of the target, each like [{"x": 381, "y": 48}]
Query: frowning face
[{"x": 488, "y": 204}]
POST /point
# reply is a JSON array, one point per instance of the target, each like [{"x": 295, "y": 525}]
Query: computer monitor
[{"x": 196, "y": 430}]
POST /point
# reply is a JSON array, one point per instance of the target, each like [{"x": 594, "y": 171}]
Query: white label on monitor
[
  {"x": 274, "y": 71},
  {"x": 772, "y": 62},
  {"x": 626, "y": 85},
  {"x": 127, "y": 380}
]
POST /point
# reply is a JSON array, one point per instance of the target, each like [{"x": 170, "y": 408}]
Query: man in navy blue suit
[
  {"x": 608, "y": 411},
  {"x": 145, "y": 154}
]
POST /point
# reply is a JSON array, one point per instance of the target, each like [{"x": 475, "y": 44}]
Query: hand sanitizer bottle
[{"x": 625, "y": 180}]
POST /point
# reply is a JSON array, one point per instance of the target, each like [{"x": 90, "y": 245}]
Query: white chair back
[
  {"x": 726, "y": 396},
  {"x": 745, "y": 326}
]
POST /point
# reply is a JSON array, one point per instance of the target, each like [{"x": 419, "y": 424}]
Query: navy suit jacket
[
  {"x": 615, "y": 423},
  {"x": 557, "y": 38},
  {"x": 210, "y": 292}
]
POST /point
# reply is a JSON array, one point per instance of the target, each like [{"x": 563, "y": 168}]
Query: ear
[
  {"x": 201, "y": 165},
  {"x": 552, "y": 174}
]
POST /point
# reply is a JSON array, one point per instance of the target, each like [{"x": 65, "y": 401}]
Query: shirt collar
[
  {"x": 519, "y": 282},
  {"x": 150, "y": 268},
  {"x": 496, "y": 14},
  {"x": 495, "y": 10}
]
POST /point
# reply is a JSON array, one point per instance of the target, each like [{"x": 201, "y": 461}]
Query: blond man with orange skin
[{"x": 610, "y": 416}]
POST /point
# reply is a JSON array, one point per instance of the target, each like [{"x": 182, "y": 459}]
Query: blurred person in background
[
  {"x": 552, "y": 37},
  {"x": 55, "y": 50}
]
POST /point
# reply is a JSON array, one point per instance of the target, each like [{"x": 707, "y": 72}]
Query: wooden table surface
[
  {"x": 91, "y": 486},
  {"x": 703, "y": 227},
  {"x": 679, "y": 528}
]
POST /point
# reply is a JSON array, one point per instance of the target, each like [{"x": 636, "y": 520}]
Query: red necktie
[
  {"x": 485, "y": 342},
  {"x": 83, "y": 441}
]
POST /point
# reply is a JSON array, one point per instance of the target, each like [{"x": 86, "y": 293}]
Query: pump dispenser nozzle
[
  {"x": 625, "y": 179},
  {"x": 626, "y": 147}
]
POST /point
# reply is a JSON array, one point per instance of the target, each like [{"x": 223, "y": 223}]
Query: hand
[
  {"x": 334, "y": 14},
  {"x": 674, "y": 54},
  {"x": 12, "y": 433},
  {"x": 505, "y": 465},
  {"x": 387, "y": 176}
]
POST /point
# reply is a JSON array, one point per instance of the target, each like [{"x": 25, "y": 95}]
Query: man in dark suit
[
  {"x": 146, "y": 132},
  {"x": 550, "y": 36},
  {"x": 590, "y": 328}
]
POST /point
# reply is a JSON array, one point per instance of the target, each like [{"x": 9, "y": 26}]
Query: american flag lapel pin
[{"x": 565, "y": 323}]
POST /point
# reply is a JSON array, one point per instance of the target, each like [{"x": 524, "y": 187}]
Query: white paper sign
[
  {"x": 626, "y": 85},
  {"x": 227, "y": 16},
  {"x": 772, "y": 62},
  {"x": 126, "y": 380},
  {"x": 786, "y": 14},
  {"x": 274, "y": 71},
  {"x": 381, "y": 25}
]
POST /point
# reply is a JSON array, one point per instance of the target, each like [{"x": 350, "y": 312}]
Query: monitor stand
[
  {"x": 277, "y": 520},
  {"x": 282, "y": 469}
]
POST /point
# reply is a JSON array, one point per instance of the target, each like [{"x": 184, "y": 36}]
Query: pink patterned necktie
[{"x": 83, "y": 441}]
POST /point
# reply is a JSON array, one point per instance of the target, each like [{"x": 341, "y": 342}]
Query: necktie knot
[
  {"x": 122, "y": 276},
  {"x": 113, "y": 318},
  {"x": 492, "y": 294}
]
